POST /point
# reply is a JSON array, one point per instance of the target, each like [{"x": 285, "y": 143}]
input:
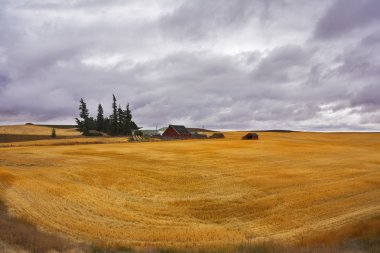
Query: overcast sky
[{"x": 225, "y": 64}]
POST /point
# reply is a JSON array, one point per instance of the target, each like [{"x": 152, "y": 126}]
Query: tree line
[{"x": 118, "y": 123}]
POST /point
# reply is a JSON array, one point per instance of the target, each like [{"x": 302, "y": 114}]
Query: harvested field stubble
[
  {"x": 36, "y": 130},
  {"x": 196, "y": 192},
  {"x": 16, "y": 235}
]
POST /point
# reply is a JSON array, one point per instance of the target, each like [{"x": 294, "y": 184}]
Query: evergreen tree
[
  {"x": 128, "y": 120},
  {"x": 53, "y": 133},
  {"x": 100, "y": 119},
  {"x": 129, "y": 125},
  {"x": 138, "y": 133},
  {"x": 134, "y": 126},
  {"x": 121, "y": 120},
  {"x": 83, "y": 125},
  {"x": 91, "y": 123},
  {"x": 107, "y": 126},
  {"x": 114, "y": 118},
  {"x": 118, "y": 123},
  {"x": 79, "y": 125}
]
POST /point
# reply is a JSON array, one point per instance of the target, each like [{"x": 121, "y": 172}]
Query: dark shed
[
  {"x": 217, "y": 136},
  {"x": 250, "y": 136},
  {"x": 199, "y": 136}
]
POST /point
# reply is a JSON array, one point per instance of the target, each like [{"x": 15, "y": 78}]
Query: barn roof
[
  {"x": 180, "y": 129},
  {"x": 251, "y": 134}
]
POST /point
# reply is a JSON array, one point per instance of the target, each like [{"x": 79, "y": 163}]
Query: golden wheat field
[
  {"x": 32, "y": 135},
  {"x": 195, "y": 192},
  {"x": 36, "y": 130}
]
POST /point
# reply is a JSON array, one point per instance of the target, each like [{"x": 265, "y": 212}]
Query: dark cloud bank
[{"x": 247, "y": 64}]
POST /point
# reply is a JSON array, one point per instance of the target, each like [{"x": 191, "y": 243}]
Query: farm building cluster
[{"x": 181, "y": 132}]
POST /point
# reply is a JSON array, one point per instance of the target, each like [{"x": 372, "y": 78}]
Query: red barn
[{"x": 177, "y": 132}]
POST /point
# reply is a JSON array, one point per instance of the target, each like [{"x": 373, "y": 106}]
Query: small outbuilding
[
  {"x": 250, "y": 136},
  {"x": 177, "y": 132},
  {"x": 199, "y": 136},
  {"x": 217, "y": 136}
]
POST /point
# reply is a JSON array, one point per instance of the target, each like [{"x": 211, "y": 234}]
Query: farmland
[
  {"x": 30, "y": 135},
  {"x": 203, "y": 193}
]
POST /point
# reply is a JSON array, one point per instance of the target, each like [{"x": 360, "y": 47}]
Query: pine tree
[
  {"x": 91, "y": 123},
  {"x": 107, "y": 126},
  {"x": 118, "y": 123},
  {"x": 128, "y": 120},
  {"x": 134, "y": 126},
  {"x": 121, "y": 120},
  {"x": 79, "y": 125},
  {"x": 100, "y": 119},
  {"x": 83, "y": 125},
  {"x": 53, "y": 133},
  {"x": 114, "y": 118},
  {"x": 129, "y": 125}
]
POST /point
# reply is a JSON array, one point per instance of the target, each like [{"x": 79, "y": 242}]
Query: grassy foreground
[{"x": 205, "y": 194}]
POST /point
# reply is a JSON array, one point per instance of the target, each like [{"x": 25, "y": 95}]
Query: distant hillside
[
  {"x": 274, "y": 131},
  {"x": 30, "y": 132},
  {"x": 194, "y": 129},
  {"x": 59, "y": 126}
]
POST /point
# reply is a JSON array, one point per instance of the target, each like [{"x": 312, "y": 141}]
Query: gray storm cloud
[
  {"x": 223, "y": 64},
  {"x": 345, "y": 16}
]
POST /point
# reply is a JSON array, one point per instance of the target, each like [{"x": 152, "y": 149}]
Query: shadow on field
[
  {"x": 17, "y": 232},
  {"x": 362, "y": 237},
  {"x": 4, "y": 138},
  {"x": 358, "y": 238}
]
